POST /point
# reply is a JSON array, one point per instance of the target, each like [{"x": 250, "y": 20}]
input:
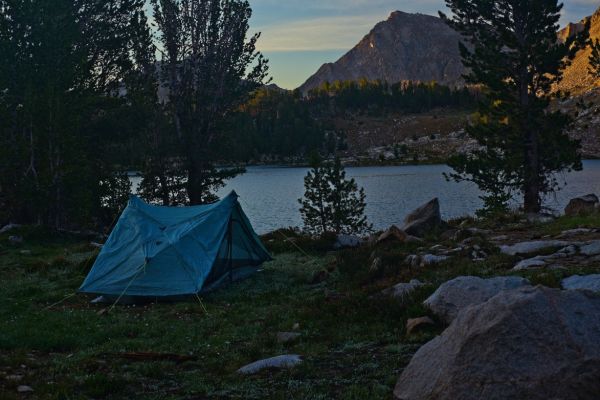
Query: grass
[
  {"x": 353, "y": 341},
  {"x": 353, "y": 345}
]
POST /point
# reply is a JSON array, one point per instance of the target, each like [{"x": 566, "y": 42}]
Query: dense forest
[{"x": 277, "y": 123}]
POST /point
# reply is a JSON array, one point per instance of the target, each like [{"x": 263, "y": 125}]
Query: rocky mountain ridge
[{"x": 405, "y": 47}]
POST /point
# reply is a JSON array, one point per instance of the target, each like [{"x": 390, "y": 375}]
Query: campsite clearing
[
  {"x": 352, "y": 341},
  {"x": 352, "y": 346}
]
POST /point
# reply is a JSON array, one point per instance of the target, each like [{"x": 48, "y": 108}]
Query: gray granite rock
[
  {"x": 279, "y": 362},
  {"x": 454, "y": 295},
  {"x": 529, "y": 343},
  {"x": 586, "y": 282}
]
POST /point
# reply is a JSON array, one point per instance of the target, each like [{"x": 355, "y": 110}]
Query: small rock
[
  {"x": 416, "y": 323},
  {"x": 569, "y": 250},
  {"x": 375, "y": 265},
  {"x": 402, "y": 290},
  {"x": 413, "y": 260},
  {"x": 279, "y": 362},
  {"x": 582, "y": 205},
  {"x": 346, "y": 241},
  {"x": 591, "y": 249},
  {"x": 540, "y": 218},
  {"x": 393, "y": 233},
  {"x": 432, "y": 259},
  {"x": 500, "y": 238},
  {"x": 536, "y": 262},
  {"x": 532, "y": 247},
  {"x": 296, "y": 326},
  {"x": 454, "y": 295},
  {"x": 14, "y": 378},
  {"x": 15, "y": 240},
  {"x": 286, "y": 337},
  {"x": 479, "y": 231},
  {"x": 577, "y": 282},
  {"x": 24, "y": 389},
  {"x": 9, "y": 227},
  {"x": 574, "y": 232}
]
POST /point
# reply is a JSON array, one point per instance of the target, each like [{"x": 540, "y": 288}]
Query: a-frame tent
[{"x": 156, "y": 251}]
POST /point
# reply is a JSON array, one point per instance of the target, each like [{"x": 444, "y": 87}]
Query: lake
[{"x": 269, "y": 195}]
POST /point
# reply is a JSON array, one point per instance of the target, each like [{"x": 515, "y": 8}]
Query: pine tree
[
  {"x": 210, "y": 66},
  {"x": 332, "y": 203},
  {"x": 511, "y": 51}
]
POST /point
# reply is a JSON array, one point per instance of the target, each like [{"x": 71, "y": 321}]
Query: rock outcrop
[
  {"x": 582, "y": 205},
  {"x": 529, "y": 343},
  {"x": 587, "y": 282},
  {"x": 464, "y": 291},
  {"x": 405, "y": 47},
  {"x": 424, "y": 219}
]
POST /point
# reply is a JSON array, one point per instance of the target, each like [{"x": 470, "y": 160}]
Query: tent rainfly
[{"x": 157, "y": 251}]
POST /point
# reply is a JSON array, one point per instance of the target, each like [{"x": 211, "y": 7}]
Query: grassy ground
[{"x": 353, "y": 343}]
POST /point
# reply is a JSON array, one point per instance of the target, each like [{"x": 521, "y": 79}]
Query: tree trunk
[
  {"x": 196, "y": 189},
  {"x": 531, "y": 190}
]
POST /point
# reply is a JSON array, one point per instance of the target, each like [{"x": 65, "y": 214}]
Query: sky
[{"x": 298, "y": 36}]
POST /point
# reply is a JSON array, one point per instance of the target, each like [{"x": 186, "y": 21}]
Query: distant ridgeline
[{"x": 281, "y": 124}]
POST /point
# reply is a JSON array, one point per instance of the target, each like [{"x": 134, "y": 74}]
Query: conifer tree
[
  {"x": 332, "y": 203},
  {"x": 511, "y": 50}
]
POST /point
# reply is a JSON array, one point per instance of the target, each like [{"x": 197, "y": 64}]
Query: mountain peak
[{"x": 405, "y": 47}]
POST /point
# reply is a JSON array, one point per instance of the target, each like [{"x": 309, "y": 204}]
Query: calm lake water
[{"x": 269, "y": 195}]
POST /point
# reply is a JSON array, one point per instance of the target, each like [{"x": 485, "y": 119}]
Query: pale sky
[{"x": 298, "y": 36}]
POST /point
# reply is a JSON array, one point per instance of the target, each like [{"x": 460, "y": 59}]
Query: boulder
[
  {"x": 414, "y": 324},
  {"x": 590, "y": 249},
  {"x": 424, "y": 219},
  {"x": 279, "y": 362},
  {"x": 532, "y": 247},
  {"x": 402, "y": 290},
  {"x": 529, "y": 343},
  {"x": 577, "y": 282},
  {"x": 346, "y": 241},
  {"x": 582, "y": 205},
  {"x": 393, "y": 233},
  {"x": 464, "y": 291}
]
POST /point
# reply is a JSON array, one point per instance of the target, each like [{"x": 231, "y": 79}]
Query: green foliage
[
  {"x": 273, "y": 122},
  {"x": 59, "y": 61},
  {"x": 210, "y": 66},
  {"x": 376, "y": 97},
  {"x": 331, "y": 203},
  {"x": 512, "y": 52}
]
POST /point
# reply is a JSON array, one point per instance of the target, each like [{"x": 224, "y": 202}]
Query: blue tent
[{"x": 158, "y": 251}]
